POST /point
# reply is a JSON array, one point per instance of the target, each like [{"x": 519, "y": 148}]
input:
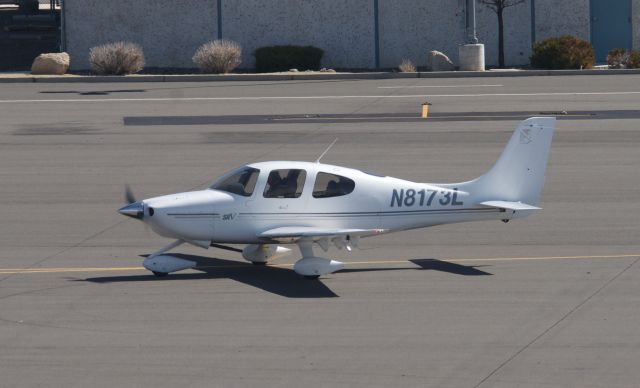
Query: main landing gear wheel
[
  {"x": 312, "y": 267},
  {"x": 160, "y": 274}
]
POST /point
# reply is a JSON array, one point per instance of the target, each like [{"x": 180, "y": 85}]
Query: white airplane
[{"x": 267, "y": 204}]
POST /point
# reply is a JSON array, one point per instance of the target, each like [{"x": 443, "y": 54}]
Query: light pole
[
  {"x": 471, "y": 54},
  {"x": 472, "y": 37}
]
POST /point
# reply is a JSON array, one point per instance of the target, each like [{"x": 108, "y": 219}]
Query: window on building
[
  {"x": 241, "y": 183},
  {"x": 331, "y": 185},
  {"x": 285, "y": 183}
]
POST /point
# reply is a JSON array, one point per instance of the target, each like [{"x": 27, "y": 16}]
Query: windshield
[{"x": 242, "y": 182}]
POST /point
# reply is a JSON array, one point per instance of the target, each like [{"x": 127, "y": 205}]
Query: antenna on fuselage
[{"x": 327, "y": 150}]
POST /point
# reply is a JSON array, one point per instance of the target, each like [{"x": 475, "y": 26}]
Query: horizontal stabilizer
[{"x": 509, "y": 205}]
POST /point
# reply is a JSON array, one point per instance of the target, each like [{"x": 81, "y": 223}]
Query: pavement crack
[
  {"x": 547, "y": 330},
  {"x": 67, "y": 249}
]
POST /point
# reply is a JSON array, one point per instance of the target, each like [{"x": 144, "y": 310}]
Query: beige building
[{"x": 355, "y": 34}]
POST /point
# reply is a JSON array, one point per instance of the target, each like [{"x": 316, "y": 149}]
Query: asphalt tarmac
[{"x": 548, "y": 301}]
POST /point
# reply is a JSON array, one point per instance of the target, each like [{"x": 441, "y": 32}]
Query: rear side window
[
  {"x": 241, "y": 183},
  {"x": 331, "y": 185},
  {"x": 285, "y": 183}
]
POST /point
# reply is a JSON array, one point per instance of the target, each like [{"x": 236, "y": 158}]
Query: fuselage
[{"x": 268, "y": 195}]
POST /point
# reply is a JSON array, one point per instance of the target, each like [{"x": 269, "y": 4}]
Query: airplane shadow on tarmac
[{"x": 278, "y": 280}]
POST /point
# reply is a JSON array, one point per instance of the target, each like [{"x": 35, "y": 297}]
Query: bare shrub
[
  {"x": 406, "y": 66},
  {"x": 116, "y": 58},
  {"x": 634, "y": 60},
  {"x": 218, "y": 57},
  {"x": 617, "y": 58}
]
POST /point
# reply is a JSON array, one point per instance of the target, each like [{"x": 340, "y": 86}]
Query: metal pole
[
  {"x": 533, "y": 22},
  {"x": 219, "y": 11},
  {"x": 376, "y": 33},
  {"x": 63, "y": 27},
  {"x": 471, "y": 22}
]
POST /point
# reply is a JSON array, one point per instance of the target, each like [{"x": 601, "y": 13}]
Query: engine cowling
[{"x": 261, "y": 253}]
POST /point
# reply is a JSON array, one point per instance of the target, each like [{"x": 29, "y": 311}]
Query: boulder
[
  {"x": 437, "y": 61},
  {"x": 51, "y": 63}
]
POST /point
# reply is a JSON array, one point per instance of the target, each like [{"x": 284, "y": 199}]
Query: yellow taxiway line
[{"x": 352, "y": 263}]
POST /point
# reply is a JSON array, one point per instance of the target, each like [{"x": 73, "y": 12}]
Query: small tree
[{"x": 498, "y": 6}]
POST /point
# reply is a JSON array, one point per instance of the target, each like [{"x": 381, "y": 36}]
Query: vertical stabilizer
[{"x": 518, "y": 175}]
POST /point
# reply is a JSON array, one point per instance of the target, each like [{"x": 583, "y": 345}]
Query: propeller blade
[{"x": 128, "y": 195}]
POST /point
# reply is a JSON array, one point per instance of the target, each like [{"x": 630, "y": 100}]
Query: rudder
[{"x": 519, "y": 173}]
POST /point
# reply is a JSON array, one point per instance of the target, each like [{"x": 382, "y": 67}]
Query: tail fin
[{"x": 518, "y": 175}]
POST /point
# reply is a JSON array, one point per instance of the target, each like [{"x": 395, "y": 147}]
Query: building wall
[
  {"x": 343, "y": 29},
  {"x": 517, "y": 33},
  {"x": 555, "y": 18},
  {"x": 411, "y": 28},
  {"x": 170, "y": 32}
]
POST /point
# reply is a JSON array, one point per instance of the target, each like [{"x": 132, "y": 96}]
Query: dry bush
[
  {"x": 218, "y": 57},
  {"x": 633, "y": 62},
  {"x": 564, "y": 52},
  {"x": 406, "y": 66},
  {"x": 617, "y": 58},
  {"x": 116, "y": 58}
]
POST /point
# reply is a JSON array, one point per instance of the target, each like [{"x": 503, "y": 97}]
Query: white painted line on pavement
[{"x": 265, "y": 98}]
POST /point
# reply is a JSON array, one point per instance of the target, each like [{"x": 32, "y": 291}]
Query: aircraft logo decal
[{"x": 525, "y": 136}]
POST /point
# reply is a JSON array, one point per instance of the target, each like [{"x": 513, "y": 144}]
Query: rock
[
  {"x": 293, "y": 70},
  {"x": 325, "y": 70},
  {"x": 51, "y": 63},
  {"x": 437, "y": 61}
]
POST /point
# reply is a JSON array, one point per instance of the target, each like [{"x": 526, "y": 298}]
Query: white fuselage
[{"x": 376, "y": 202}]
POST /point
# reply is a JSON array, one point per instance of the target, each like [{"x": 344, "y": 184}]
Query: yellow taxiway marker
[{"x": 352, "y": 263}]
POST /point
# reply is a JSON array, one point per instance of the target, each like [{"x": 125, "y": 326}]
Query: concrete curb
[{"x": 28, "y": 78}]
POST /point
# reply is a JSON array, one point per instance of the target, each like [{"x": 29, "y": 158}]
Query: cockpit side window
[
  {"x": 285, "y": 183},
  {"x": 242, "y": 182},
  {"x": 331, "y": 185}
]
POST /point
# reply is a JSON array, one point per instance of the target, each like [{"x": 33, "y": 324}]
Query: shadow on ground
[{"x": 278, "y": 280}]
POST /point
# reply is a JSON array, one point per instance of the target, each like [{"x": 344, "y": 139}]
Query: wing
[{"x": 293, "y": 234}]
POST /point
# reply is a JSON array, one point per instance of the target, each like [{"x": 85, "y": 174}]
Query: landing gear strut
[
  {"x": 312, "y": 267},
  {"x": 161, "y": 265}
]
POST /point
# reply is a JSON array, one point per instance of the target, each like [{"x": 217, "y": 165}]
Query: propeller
[
  {"x": 128, "y": 195},
  {"x": 132, "y": 208}
]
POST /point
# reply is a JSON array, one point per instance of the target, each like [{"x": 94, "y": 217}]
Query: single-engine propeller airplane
[{"x": 264, "y": 205}]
